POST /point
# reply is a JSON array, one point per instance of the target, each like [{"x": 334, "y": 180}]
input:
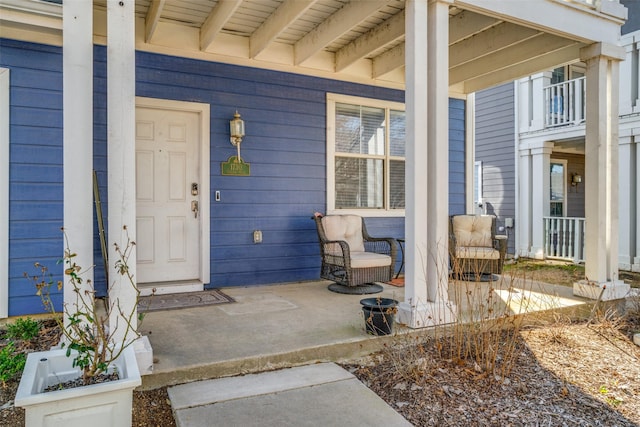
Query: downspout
[{"x": 516, "y": 154}]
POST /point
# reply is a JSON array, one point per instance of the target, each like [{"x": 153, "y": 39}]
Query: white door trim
[
  {"x": 4, "y": 192},
  {"x": 203, "y": 110}
]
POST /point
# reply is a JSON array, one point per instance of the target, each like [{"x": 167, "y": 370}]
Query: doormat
[{"x": 183, "y": 300}]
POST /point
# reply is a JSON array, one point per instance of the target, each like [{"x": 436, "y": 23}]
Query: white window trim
[
  {"x": 4, "y": 193},
  {"x": 331, "y": 143},
  {"x": 563, "y": 162}
]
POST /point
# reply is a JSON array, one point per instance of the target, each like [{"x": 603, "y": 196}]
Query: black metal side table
[{"x": 401, "y": 244}]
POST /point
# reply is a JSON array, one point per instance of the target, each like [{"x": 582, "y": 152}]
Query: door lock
[
  {"x": 194, "y": 208},
  {"x": 194, "y": 188}
]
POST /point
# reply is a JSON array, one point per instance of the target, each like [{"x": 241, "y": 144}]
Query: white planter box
[{"x": 107, "y": 404}]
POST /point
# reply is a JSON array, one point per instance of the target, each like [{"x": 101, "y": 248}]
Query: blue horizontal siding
[
  {"x": 285, "y": 143},
  {"x": 457, "y": 135},
  {"x": 35, "y": 169}
]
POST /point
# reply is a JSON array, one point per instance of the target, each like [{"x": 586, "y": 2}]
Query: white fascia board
[{"x": 559, "y": 17}]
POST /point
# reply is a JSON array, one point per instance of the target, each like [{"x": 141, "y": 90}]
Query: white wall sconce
[
  {"x": 576, "y": 179},
  {"x": 236, "y": 129}
]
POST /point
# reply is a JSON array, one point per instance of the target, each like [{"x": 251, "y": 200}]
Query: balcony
[{"x": 564, "y": 103}]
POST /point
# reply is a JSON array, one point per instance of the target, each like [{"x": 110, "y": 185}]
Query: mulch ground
[{"x": 564, "y": 375}]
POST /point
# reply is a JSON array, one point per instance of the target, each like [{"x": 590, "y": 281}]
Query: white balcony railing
[
  {"x": 590, "y": 3},
  {"x": 564, "y": 238},
  {"x": 564, "y": 103}
]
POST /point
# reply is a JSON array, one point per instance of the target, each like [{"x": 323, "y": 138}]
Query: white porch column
[
  {"x": 627, "y": 207},
  {"x": 427, "y": 212},
  {"x": 121, "y": 153},
  {"x": 77, "y": 102},
  {"x": 523, "y": 224},
  {"x": 540, "y": 194},
  {"x": 601, "y": 173}
]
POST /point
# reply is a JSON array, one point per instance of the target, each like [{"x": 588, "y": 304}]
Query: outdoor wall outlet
[
  {"x": 257, "y": 236},
  {"x": 508, "y": 222}
]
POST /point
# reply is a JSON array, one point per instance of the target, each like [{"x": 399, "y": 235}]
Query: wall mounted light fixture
[
  {"x": 576, "y": 179},
  {"x": 236, "y": 129},
  {"x": 234, "y": 164}
]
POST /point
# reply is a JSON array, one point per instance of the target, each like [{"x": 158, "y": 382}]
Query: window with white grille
[{"x": 365, "y": 156}]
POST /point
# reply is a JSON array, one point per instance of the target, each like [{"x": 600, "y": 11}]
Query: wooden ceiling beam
[
  {"x": 495, "y": 38},
  {"x": 280, "y": 20},
  {"x": 504, "y": 58},
  {"x": 152, "y": 18},
  {"x": 549, "y": 61},
  {"x": 341, "y": 22},
  {"x": 214, "y": 23},
  {"x": 466, "y": 24},
  {"x": 388, "y": 61},
  {"x": 388, "y": 32}
]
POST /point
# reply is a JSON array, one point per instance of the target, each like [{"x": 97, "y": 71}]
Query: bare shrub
[{"x": 485, "y": 336}]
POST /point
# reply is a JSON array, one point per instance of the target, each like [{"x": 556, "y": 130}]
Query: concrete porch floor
[
  {"x": 271, "y": 327},
  {"x": 268, "y": 327}
]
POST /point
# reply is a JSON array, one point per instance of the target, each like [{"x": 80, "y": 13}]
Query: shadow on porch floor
[{"x": 271, "y": 327}]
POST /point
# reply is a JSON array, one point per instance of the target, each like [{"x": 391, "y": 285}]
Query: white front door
[{"x": 168, "y": 195}]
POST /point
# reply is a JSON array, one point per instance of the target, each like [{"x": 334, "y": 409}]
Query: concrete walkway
[{"x": 313, "y": 395}]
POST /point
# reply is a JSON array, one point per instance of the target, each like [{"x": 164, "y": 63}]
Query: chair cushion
[
  {"x": 472, "y": 230},
  {"x": 345, "y": 227},
  {"x": 369, "y": 259},
  {"x": 476, "y": 252}
]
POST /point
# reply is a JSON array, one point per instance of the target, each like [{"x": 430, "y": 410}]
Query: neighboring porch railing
[
  {"x": 564, "y": 103},
  {"x": 592, "y": 4},
  {"x": 564, "y": 238}
]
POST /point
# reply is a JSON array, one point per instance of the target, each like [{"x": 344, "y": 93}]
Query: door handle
[{"x": 194, "y": 208}]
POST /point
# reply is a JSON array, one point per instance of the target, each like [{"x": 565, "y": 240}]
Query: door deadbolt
[{"x": 194, "y": 189}]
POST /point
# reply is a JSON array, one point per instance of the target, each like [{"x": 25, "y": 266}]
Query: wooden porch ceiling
[{"x": 363, "y": 40}]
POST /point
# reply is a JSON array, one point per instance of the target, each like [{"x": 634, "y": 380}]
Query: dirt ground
[{"x": 564, "y": 373}]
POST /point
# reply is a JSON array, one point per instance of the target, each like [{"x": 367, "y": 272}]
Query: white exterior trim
[
  {"x": 203, "y": 110},
  {"x": 332, "y": 99},
  {"x": 4, "y": 192}
]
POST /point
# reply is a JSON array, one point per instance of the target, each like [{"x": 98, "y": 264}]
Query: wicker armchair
[
  {"x": 351, "y": 257},
  {"x": 477, "y": 253}
]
